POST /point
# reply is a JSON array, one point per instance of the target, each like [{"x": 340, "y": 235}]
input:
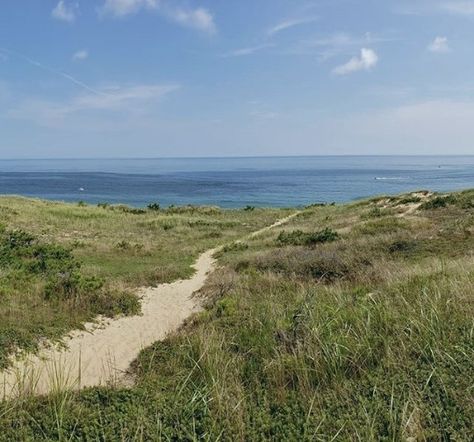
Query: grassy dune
[
  {"x": 352, "y": 322},
  {"x": 62, "y": 264}
]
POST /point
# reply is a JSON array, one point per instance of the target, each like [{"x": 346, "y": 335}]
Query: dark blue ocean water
[{"x": 233, "y": 182}]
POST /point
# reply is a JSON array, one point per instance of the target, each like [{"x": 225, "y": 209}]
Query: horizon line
[{"x": 228, "y": 157}]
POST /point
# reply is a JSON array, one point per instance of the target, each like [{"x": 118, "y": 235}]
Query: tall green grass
[{"x": 358, "y": 339}]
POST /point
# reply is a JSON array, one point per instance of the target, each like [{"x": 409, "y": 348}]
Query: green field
[{"x": 351, "y": 322}]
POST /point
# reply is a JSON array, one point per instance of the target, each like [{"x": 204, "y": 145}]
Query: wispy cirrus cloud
[
  {"x": 367, "y": 60},
  {"x": 339, "y": 43},
  {"x": 128, "y": 99},
  {"x": 117, "y": 98},
  {"x": 290, "y": 23},
  {"x": 199, "y": 18},
  {"x": 50, "y": 113},
  {"x": 65, "y": 11},
  {"x": 248, "y": 50},
  {"x": 49, "y": 69},
  {"x": 271, "y": 32}
]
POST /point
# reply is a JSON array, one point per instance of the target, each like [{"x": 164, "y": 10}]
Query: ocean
[{"x": 233, "y": 182}]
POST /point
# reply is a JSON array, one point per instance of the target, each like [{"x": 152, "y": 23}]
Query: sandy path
[{"x": 101, "y": 355}]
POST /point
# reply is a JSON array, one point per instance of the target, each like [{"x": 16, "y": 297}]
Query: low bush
[
  {"x": 154, "y": 207},
  {"x": 315, "y": 205},
  {"x": 409, "y": 200},
  {"x": 438, "y": 202},
  {"x": 299, "y": 238},
  {"x": 403, "y": 246},
  {"x": 236, "y": 246}
]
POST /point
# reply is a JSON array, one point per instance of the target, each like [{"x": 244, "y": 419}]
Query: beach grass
[
  {"x": 351, "y": 322},
  {"x": 64, "y": 264}
]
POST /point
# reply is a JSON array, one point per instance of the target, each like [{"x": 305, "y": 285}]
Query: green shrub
[
  {"x": 56, "y": 294},
  {"x": 154, "y": 207},
  {"x": 438, "y": 202},
  {"x": 409, "y": 200},
  {"x": 115, "y": 302},
  {"x": 465, "y": 200},
  {"x": 315, "y": 205},
  {"x": 374, "y": 212},
  {"x": 236, "y": 246},
  {"x": 299, "y": 238},
  {"x": 403, "y": 246},
  {"x": 123, "y": 245}
]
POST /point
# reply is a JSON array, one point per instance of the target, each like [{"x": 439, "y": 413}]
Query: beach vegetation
[{"x": 367, "y": 335}]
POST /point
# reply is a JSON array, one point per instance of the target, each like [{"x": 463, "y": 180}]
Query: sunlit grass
[{"x": 367, "y": 337}]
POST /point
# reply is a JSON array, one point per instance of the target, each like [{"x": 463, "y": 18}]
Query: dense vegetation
[
  {"x": 351, "y": 322},
  {"x": 62, "y": 264},
  {"x": 45, "y": 293}
]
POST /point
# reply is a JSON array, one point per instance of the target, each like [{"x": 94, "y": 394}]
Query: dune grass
[
  {"x": 366, "y": 334},
  {"x": 63, "y": 264}
]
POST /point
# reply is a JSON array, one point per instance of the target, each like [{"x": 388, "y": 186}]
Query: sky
[{"x": 161, "y": 78}]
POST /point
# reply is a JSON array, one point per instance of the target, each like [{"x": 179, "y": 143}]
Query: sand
[{"x": 102, "y": 353}]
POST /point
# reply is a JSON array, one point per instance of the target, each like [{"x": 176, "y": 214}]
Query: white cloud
[
  {"x": 121, "y": 8},
  {"x": 80, "y": 55},
  {"x": 64, "y": 11},
  {"x": 247, "y": 51},
  {"x": 119, "y": 99},
  {"x": 366, "y": 61},
  {"x": 51, "y": 70},
  {"x": 287, "y": 24},
  {"x": 461, "y": 7},
  {"x": 426, "y": 7},
  {"x": 198, "y": 18},
  {"x": 339, "y": 43},
  {"x": 439, "y": 45},
  {"x": 429, "y": 127},
  {"x": 334, "y": 44}
]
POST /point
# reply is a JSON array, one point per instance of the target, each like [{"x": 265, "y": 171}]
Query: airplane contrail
[{"x": 53, "y": 71}]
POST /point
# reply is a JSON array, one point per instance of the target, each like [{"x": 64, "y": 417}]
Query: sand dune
[{"x": 102, "y": 354}]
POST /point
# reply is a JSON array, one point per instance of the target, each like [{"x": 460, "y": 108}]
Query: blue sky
[{"x": 150, "y": 78}]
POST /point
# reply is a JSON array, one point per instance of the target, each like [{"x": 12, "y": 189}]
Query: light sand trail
[{"x": 102, "y": 355}]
